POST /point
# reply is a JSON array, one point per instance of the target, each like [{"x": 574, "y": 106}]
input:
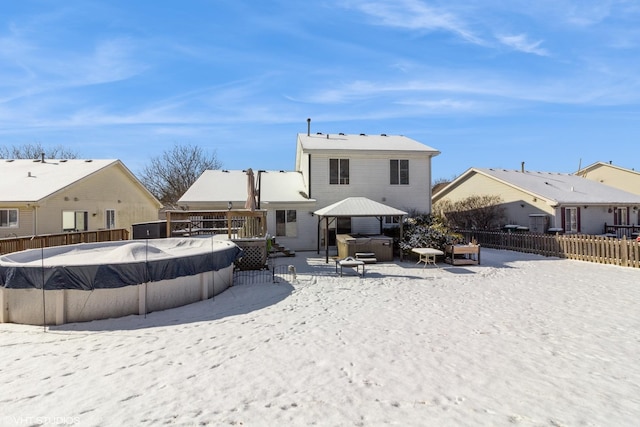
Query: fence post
[{"x": 624, "y": 253}]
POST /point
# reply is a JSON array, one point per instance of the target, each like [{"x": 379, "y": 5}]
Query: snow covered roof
[
  {"x": 27, "y": 180},
  {"x": 282, "y": 187},
  {"x": 359, "y": 206},
  {"x": 363, "y": 142},
  {"x": 556, "y": 188},
  {"x": 217, "y": 185},
  {"x": 224, "y": 186}
]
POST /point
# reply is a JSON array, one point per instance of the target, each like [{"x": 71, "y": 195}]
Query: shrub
[
  {"x": 427, "y": 231},
  {"x": 482, "y": 212}
]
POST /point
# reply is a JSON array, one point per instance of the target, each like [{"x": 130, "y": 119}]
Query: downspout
[
  {"x": 35, "y": 220},
  {"x": 309, "y": 172}
]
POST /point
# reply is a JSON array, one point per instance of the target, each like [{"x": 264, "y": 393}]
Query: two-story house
[{"x": 388, "y": 169}]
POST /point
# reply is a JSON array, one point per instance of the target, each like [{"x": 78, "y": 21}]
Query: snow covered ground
[{"x": 519, "y": 340}]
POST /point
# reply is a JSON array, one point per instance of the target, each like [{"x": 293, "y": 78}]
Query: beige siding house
[
  {"x": 54, "y": 196},
  {"x": 613, "y": 176},
  {"x": 544, "y": 201}
]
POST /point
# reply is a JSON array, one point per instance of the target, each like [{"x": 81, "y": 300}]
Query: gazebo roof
[{"x": 358, "y": 206}]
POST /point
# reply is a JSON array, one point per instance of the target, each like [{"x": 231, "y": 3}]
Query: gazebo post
[
  {"x": 326, "y": 239},
  {"x": 401, "y": 235}
]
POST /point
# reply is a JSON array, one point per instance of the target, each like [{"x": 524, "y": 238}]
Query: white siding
[{"x": 369, "y": 177}]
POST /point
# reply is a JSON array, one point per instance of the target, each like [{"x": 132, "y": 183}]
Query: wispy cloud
[
  {"x": 521, "y": 43},
  {"x": 415, "y": 15},
  {"x": 34, "y": 62},
  {"x": 588, "y": 12}
]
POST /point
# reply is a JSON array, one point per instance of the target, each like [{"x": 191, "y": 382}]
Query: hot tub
[
  {"x": 381, "y": 246},
  {"x": 112, "y": 279}
]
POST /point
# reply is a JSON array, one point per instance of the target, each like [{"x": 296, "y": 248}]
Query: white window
[
  {"x": 110, "y": 215},
  {"x": 9, "y": 218},
  {"x": 286, "y": 223},
  {"x": 399, "y": 172},
  {"x": 571, "y": 220},
  {"x": 339, "y": 171},
  {"x": 75, "y": 220}
]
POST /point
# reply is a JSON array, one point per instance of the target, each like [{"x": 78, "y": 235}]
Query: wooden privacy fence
[
  {"x": 600, "y": 249},
  {"x": 14, "y": 244}
]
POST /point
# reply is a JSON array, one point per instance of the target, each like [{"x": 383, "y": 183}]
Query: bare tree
[
  {"x": 483, "y": 212},
  {"x": 170, "y": 175},
  {"x": 35, "y": 151}
]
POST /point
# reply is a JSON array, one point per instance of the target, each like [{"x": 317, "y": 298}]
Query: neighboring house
[
  {"x": 393, "y": 170},
  {"x": 389, "y": 169},
  {"x": 282, "y": 194},
  {"x": 546, "y": 200},
  {"x": 613, "y": 176},
  {"x": 48, "y": 196}
]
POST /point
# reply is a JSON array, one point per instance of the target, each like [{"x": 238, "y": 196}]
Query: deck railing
[
  {"x": 15, "y": 244},
  {"x": 620, "y": 231},
  {"x": 235, "y": 223},
  {"x": 600, "y": 249}
]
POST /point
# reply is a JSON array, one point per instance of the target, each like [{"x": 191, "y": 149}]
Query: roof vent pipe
[
  {"x": 309, "y": 127},
  {"x": 522, "y": 166}
]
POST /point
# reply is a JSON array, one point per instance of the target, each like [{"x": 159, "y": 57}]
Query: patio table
[{"x": 427, "y": 255}]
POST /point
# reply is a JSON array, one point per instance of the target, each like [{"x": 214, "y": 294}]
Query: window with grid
[
  {"x": 398, "y": 172},
  {"x": 339, "y": 171}
]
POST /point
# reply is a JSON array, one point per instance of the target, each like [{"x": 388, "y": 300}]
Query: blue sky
[{"x": 489, "y": 83}]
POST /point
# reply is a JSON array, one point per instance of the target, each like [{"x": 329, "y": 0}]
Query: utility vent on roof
[
  {"x": 88, "y": 160},
  {"x": 341, "y": 133},
  {"x": 363, "y": 134},
  {"x": 318, "y": 133},
  {"x": 63, "y": 161},
  {"x": 36, "y": 160},
  {"x": 9, "y": 160},
  {"x": 383, "y": 134}
]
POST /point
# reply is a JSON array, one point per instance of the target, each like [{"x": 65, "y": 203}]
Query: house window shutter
[
  {"x": 578, "y": 219},
  {"x": 563, "y": 219}
]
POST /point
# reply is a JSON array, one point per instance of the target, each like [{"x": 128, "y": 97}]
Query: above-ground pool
[{"x": 112, "y": 279}]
